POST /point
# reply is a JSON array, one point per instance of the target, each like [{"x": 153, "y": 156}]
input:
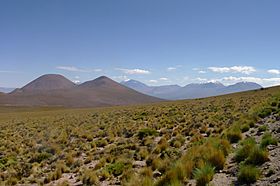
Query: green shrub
[
  {"x": 244, "y": 151},
  {"x": 101, "y": 143},
  {"x": 262, "y": 128},
  {"x": 267, "y": 139},
  {"x": 245, "y": 128},
  {"x": 257, "y": 156},
  {"x": 116, "y": 168},
  {"x": 248, "y": 174},
  {"x": 264, "y": 112},
  {"x": 204, "y": 175},
  {"x": 234, "y": 135},
  {"x": 39, "y": 157},
  {"x": 142, "y": 133}
]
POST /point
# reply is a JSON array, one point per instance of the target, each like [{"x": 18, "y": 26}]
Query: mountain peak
[
  {"x": 102, "y": 78},
  {"x": 47, "y": 82},
  {"x": 98, "y": 82}
]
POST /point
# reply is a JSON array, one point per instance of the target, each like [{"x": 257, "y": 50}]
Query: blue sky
[{"x": 157, "y": 42}]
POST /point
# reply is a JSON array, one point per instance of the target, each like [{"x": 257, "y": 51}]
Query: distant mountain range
[
  {"x": 6, "y": 90},
  {"x": 190, "y": 91},
  {"x": 56, "y": 90}
]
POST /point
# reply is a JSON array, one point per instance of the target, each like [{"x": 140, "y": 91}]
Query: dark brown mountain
[{"x": 56, "y": 90}]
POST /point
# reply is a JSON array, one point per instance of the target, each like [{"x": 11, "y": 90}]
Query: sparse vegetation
[{"x": 157, "y": 144}]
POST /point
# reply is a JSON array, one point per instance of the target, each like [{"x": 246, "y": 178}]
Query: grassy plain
[{"x": 165, "y": 143}]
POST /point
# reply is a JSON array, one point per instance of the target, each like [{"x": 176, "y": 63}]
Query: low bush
[
  {"x": 262, "y": 128},
  {"x": 116, "y": 168},
  {"x": 267, "y": 139},
  {"x": 142, "y": 133},
  {"x": 264, "y": 112},
  {"x": 204, "y": 174},
  {"x": 245, "y": 128},
  {"x": 244, "y": 151},
  {"x": 39, "y": 157},
  {"x": 234, "y": 135},
  {"x": 248, "y": 174},
  {"x": 257, "y": 156},
  {"x": 89, "y": 177}
]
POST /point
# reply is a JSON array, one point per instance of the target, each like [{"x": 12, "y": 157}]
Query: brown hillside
[
  {"x": 46, "y": 83},
  {"x": 56, "y": 90}
]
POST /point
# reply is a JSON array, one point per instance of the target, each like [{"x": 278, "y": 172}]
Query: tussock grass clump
[
  {"x": 39, "y": 157},
  {"x": 248, "y": 174},
  {"x": 262, "y": 128},
  {"x": 264, "y": 112},
  {"x": 143, "y": 153},
  {"x": 234, "y": 134},
  {"x": 118, "y": 167},
  {"x": 257, "y": 156},
  {"x": 245, "y": 128},
  {"x": 268, "y": 139},
  {"x": 142, "y": 133},
  {"x": 89, "y": 177},
  {"x": 204, "y": 174},
  {"x": 200, "y": 161},
  {"x": 244, "y": 151},
  {"x": 251, "y": 153}
]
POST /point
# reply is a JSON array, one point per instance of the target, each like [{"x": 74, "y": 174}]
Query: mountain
[
  {"x": 199, "y": 90},
  {"x": 162, "y": 92},
  {"x": 6, "y": 90},
  {"x": 56, "y": 90},
  {"x": 46, "y": 82},
  {"x": 242, "y": 86},
  {"x": 137, "y": 85},
  {"x": 190, "y": 91}
]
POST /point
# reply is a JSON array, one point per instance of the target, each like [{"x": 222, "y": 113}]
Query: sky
[{"x": 157, "y": 42}]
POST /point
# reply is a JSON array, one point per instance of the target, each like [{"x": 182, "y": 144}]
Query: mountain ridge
[
  {"x": 56, "y": 90},
  {"x": 191, "y": 91}
]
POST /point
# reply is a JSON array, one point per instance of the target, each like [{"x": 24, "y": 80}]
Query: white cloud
[
  {"x": 76, "y": 69},
  {"x": 171, "y": 68},
  {"x": 153, "y": 81},
  {"x": 164, "y": 79},
  {"x": 133, "y": 71},
  {"x": 273, "y": 71},
  {"x": 201, "y": 72},
  {"x": 201, "y": 79},
  {"x": 121, "y": 78},
  {"x": 234, "y": 69},
  {"x": 263, "y": 81}
]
